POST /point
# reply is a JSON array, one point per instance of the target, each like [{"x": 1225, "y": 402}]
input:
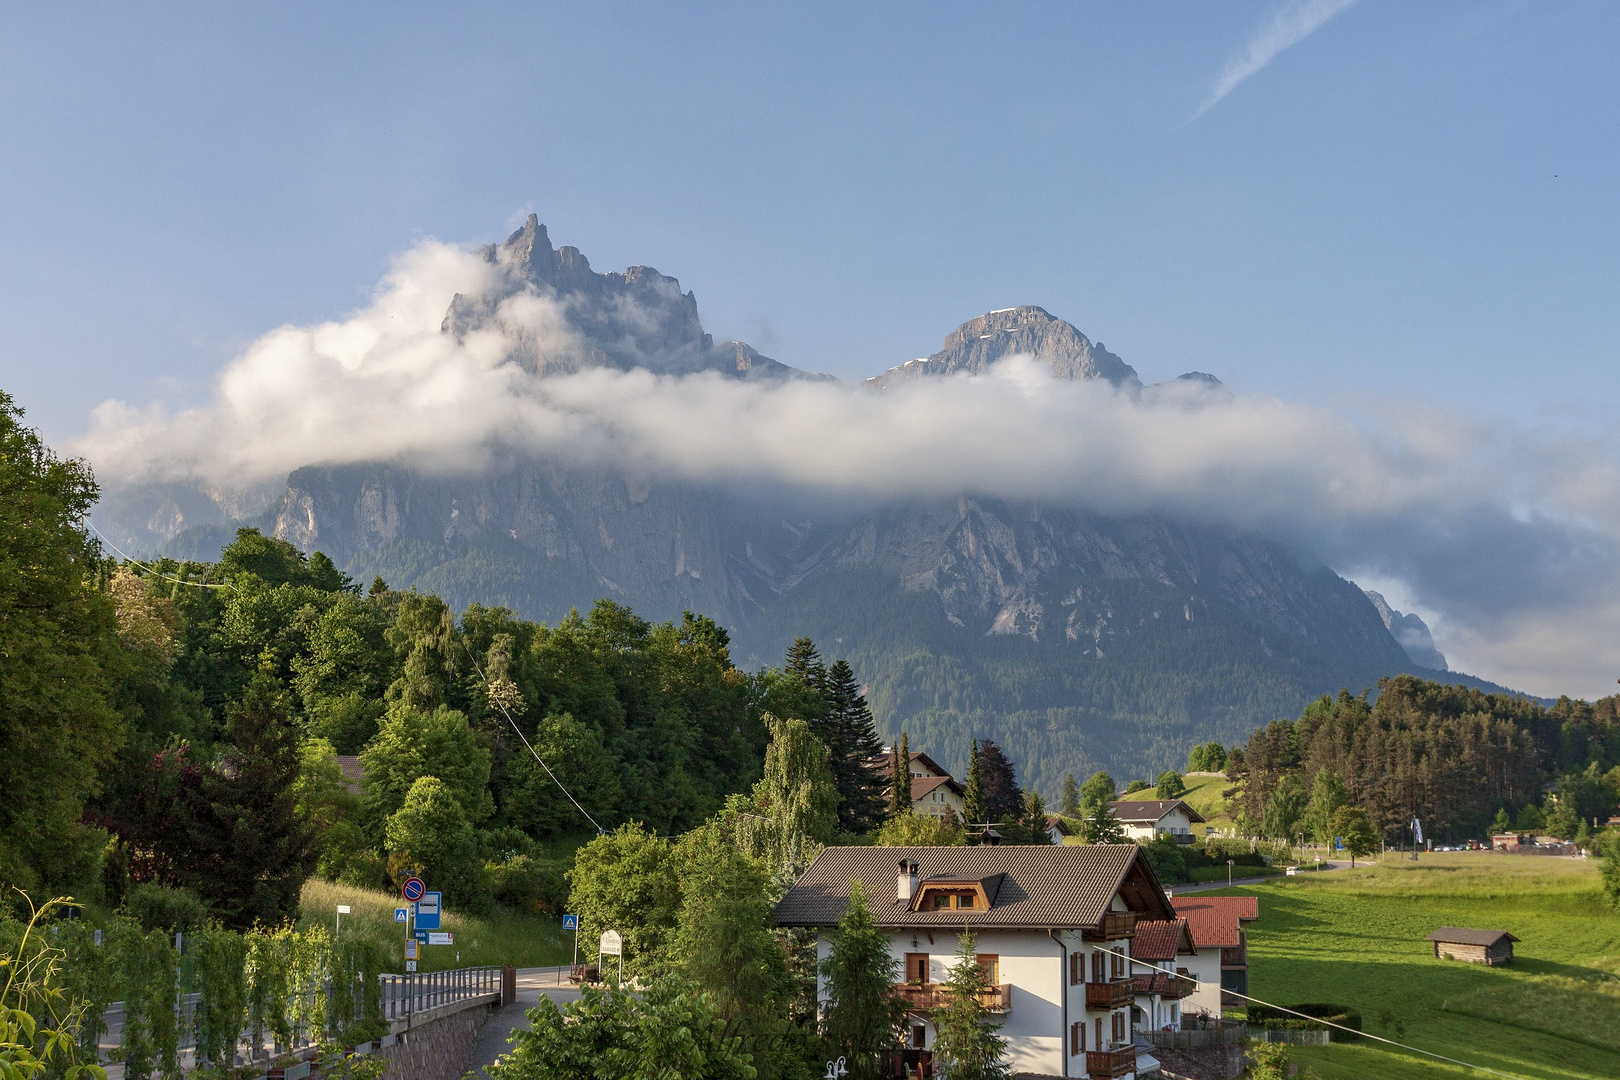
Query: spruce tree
[
  {"x": 864, "y": 1015},
  {"x": 262, "y": 850},
  {"x": 1071, "y": 797},
  {"x": 900, "y": 779},
  {"x": 852, "y": 747},
  {"x": 1035, "y": 818},
  {"x": 973, "y": 808},
  {"x": 968, "y": 1045}
]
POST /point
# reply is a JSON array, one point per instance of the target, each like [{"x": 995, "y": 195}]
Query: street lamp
[
  {"x": 835, "y": 1070},
  {"x": 1229, "y": 864}
]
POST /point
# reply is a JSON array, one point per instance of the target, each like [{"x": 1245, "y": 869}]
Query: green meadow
[
  {"x": 1358, "y": 937},
  {"x": 522, "y": 940}
]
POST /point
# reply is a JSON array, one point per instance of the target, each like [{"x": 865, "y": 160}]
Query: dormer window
[
  {"x": 954, "y": 894},
  {"x": 953, "y": 901}
]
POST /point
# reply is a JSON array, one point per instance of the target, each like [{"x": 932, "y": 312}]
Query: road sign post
[
  {"x": 337, "y": 932},
  {"x": 571, "y": 922},
  {"x": 611, "y": 944}
]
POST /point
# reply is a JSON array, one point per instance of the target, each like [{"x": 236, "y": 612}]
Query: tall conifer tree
[
  {"x": 973, "y": 808},
  {"x": 852, "y": 749},
  {"x": 900, "y": 778}
]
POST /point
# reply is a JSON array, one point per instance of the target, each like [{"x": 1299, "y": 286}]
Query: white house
[
  {"x": 1054, "y": 928},
  {"x": 1147, "y": 819},
  {"x": 1221, "y": 962},
  {"x": 933, "y": 790}
]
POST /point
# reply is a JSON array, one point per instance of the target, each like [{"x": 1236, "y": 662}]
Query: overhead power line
[
  {"x": 600, "y": 831},
  {"x": 1318, "y": 1020},
  {"x": 154, "y": 571}
]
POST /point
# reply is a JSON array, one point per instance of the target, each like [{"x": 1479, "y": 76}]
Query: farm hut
[{"x": 1476, "y": 946}]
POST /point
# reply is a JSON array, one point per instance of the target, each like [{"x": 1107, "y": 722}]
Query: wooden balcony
[
  {"x": 1111, "y": 1062},
  {"x": 926, "y": 997},
  {"x": 1116, "y": 994},
  {"x": 1115, "y": 925}
]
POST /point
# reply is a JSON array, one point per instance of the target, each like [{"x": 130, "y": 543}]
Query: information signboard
[
  {"x": 441, "y": 939},
  {"x": 427, "y": 911},
  {"x": 611, "y": 944}
]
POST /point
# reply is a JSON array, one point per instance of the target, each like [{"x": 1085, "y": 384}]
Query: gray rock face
[
  {"x": 1411, "y": 632},
  {"x": 639, "y": 318},
  {"x": 978, "y": 343}
]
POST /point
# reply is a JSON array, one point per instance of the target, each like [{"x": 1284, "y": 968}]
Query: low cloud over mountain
[{"x": 1509, "y": 537}]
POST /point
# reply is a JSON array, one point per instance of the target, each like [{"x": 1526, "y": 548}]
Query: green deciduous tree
[
  {"x": 58, "y": 651},
  {"x": 670, "y": 1032},
  {"x": 1207, "y": 757},
  {"x": 1098, "y": 789},
  {"x": 968, "y": 1043},
  {"x": 430, "y": 833},
  {"x": 1285, "y": 809},
  {"x": 921, "y": 830},
  {"x": 412, "y": 743},
  {"x": 1327, "y": 795},
  {"x": 865, "y": 1013},
  {"x": 1351, "y": 824},
  {"x": 1170, "y": 785},
  {"x": 629, "y": 881}
]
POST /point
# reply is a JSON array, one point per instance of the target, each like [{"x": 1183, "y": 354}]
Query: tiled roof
[
  {"x": 884, "y": 762},
  {"x": 1459, "y": 935},
  {"x": 1216, "y": 920},
  {"x": 1045, "y": 886},
  {"x": 1140, "y": 810},
  {"x": 1161, "y": 939},
  {"x": 921, "y": 786}
]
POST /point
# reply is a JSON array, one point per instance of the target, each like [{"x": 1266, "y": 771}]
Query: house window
[
  {"x": 1097, "y": 971},
  {"x": 1077, "y": 1038},
  {"x": 1119, "y": 1027},
  {"x": 1099, "y": 1033},
  {"x": 990, "y": 964},
  {"x": 916, "y": 967},
  {"x": 919, "y": 1037},
  {"x": 1075, "y": 970},
  {"x": 1116, "y": 966}
]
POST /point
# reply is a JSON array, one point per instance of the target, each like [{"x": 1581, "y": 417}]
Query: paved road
[
  {"x": 531, "y": 983},
  {"x": 1206, "y": 886}
]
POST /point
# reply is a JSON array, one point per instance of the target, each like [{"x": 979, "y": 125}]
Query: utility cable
[
  {"x": 148, "y": 568},
  {"x": 599, "y": 830},
  {"x": 1318, "y": 1020}
]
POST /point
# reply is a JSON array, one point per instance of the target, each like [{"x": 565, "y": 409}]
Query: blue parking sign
[
  {"x": 570, "y": 922},
  {"x": 401, "y": 914}
]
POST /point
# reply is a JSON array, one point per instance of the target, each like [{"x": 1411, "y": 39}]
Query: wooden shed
[{"x": 1476, "y": 946}]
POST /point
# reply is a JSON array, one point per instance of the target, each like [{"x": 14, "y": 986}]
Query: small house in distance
[
  {"x": 1148, "y": 819},
  {"x": 1476, "y": 946}
]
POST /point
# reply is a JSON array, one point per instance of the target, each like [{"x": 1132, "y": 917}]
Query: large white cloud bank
[{"x": 1505, "y": 538}]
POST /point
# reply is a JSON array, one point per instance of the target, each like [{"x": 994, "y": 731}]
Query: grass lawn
[
  {"x": 1357, "y": 937},
  {"x": 523, "y": 940},
  {"x": 1204, "y": 795}
]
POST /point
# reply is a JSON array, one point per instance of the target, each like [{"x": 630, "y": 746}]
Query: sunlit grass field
[
  {"x": 522, "y": 940},
  {"x": 1358, "y": 937}
]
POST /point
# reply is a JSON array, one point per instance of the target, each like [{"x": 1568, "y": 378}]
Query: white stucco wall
[{"x": 1206, "y": 968}]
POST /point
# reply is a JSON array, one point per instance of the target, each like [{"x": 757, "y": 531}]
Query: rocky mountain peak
[
  {"x": 1410, "y": 632},
  {"x": 1029, "y": 330},
  {"x": 635, "y": 319}
]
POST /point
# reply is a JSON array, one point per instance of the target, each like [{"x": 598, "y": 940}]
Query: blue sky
[
  {"x": 1397, "y": 218},
  {"x": 1413, "y": 199}
]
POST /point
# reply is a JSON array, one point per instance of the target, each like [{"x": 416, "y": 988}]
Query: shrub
[
  {"x": 528, "y": 885},
  {"x": 1267, "y": 1016},
  {"x": 1169, "y": 862},
  {"x": 157, "y": 907}
]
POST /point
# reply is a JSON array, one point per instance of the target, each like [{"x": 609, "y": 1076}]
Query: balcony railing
[
  {"x": 1115, "y": 925},
  {"x": 1164, "y": 984},
  {"x": 1115, "y": 994},
  {"x": 1111, "y": 1062},
  {"x": 926, "y": 997}
]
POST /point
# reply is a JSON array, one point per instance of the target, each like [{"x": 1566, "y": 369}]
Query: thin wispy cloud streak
[
  {"x": 1511, "y": 535},
  {"x": 1289, "y": 25}
]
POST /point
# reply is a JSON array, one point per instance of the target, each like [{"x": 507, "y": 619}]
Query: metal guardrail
[{"x": 403, "y": 996}]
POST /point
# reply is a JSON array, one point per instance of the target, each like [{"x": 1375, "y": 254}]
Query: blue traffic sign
[
  {"x": 401, "y": 914},
  {"x": 413, "y": 888},
  {"x": 570, "y": 922}
]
